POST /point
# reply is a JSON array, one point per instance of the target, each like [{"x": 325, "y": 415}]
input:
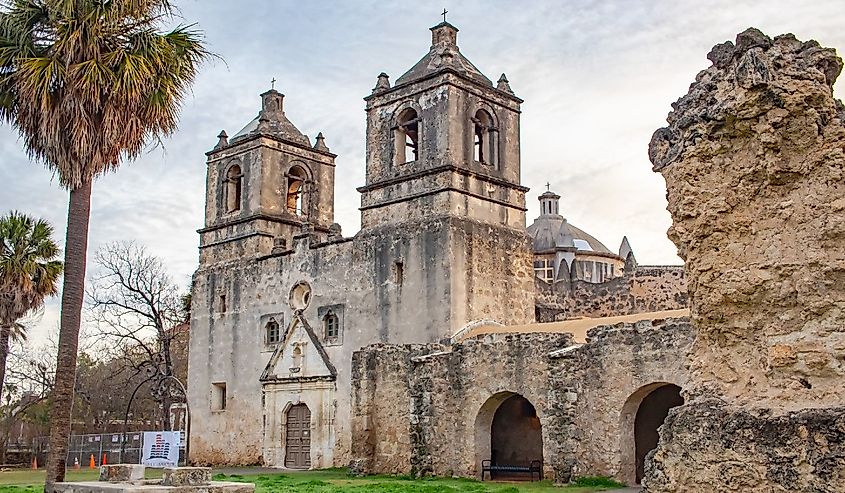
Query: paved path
[{"x": 627, "y": 490}]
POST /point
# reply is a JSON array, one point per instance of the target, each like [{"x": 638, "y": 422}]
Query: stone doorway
[
  {"x": 298, "y": 437},
  {"x": 508, "y": 431},
  {"x": 645, "y": 411}
]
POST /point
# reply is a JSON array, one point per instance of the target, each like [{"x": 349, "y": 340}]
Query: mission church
[{"x": 282, "y": 300}]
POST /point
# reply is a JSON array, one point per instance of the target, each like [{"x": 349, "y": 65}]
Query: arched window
[
  {"x": 485, "y": 149},
  {"x": 234, "y": 179},
  {"x": 331, "y": 325},
  {"x": 406, "y": 137},
  {"x": 297, "y": 178},
  {"x": 273, "y": 334}
]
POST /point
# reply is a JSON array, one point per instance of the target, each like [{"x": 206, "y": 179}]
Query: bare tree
[
  {"x": 29, "y": 380},
  {"x": 138, "y": 310}
]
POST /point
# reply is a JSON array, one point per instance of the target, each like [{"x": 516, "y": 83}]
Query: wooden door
[{"x": 298, "y": 438}]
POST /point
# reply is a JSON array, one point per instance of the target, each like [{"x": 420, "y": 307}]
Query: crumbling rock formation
[{"x": 754, "y": 162}]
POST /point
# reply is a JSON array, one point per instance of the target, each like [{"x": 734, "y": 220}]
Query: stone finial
[
  {"x": 222, "y": 140},
  {"x": 320, "y": 143},
  {"x": 272, "y": 104},
  {"x": 444, "y": 34},
  {"x": 503, "y": 84},
  {"x": 630, "y": 264},
  {"x": 625, "y": 248},
  {"x": 382, "y": 84}
]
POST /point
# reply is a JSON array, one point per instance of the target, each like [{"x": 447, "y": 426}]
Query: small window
[
  {"x": 274, "y": 334},
  {"x": 406, "y": 137},
  {"x": 222, "y": 303},
  {"x": 544, "y": 269},
  {"x": 218, "y": 396},
  {"x": 331, "y": 325},
  {"x": 398, "y": 273},
  {"x": 234, "y": 181},
  {"x": 297, "y": 179}
]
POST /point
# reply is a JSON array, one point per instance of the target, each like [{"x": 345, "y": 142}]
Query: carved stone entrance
[{"x": 298, "y": 437}]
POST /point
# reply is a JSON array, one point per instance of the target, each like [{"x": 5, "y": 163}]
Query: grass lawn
[{"x": 324, "y": 481}]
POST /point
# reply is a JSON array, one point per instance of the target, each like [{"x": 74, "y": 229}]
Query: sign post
[{"x": 161, "y": 448}]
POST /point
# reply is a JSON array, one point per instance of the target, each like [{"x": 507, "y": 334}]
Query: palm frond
[
  {"x": 29, "y": 269},
  {"x": 90, "y": 83}
]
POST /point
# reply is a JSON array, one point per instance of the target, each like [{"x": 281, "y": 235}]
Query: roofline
[
  {"x": 445, "y": 70},
  {"x": 243, "y": 139},
  {"x": 577, "y": 250}
]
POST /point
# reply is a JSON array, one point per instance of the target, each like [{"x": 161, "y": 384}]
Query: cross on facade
[
  {"x": 273, "y": 83},
  {"x": 444, "y": 14}
]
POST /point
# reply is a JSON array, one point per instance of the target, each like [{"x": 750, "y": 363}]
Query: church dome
[{"x": 551, "y": 231}]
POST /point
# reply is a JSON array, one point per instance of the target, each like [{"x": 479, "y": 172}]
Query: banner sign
[{"x": 161, "y": 449}]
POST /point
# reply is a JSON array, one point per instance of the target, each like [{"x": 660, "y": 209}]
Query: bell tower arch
[
  {"x": 265, "y": 185},
  {"x": 443, "y": 141},
  {"x": 443, "y": 205}
]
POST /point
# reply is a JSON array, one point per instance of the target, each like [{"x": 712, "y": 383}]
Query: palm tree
[
  {"x": 29, "y": 273},
  {"x": 88, "y": 83}
]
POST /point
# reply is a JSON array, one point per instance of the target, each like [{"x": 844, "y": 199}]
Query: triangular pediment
[{"x": 300, "y": 355}]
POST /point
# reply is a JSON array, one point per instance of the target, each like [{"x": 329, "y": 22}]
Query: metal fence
[{"x": 102, "y": 447}]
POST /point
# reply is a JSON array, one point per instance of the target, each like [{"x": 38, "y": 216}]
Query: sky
[{"x": 597, "y": 79}]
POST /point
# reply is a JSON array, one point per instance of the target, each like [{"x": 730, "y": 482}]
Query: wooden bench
[{"x": 536, "y": 467}]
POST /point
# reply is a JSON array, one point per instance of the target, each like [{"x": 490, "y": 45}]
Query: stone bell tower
[
  {"x": 443, "y": 141},
  {"x": 442, "y": 203},
  {"x": 264, "y": 186}
]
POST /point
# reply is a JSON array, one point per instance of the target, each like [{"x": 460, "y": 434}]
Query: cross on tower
[
  {"x": 548, "y": 186},
  {"x": 444, "y": 14},
  {"x": 273, "y": 83}
]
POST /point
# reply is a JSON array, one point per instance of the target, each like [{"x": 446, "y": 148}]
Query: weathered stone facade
[
  {"x": 754, "y": 160},
  {"x": 585, "y": 397},
  {"x": 443, "y": 243}
]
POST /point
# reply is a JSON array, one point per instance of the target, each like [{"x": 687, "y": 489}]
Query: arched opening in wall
[
  {"x": 234, "y": 182},
  {"x": 406, "y": 137},
  {"x": 484, "y": 145},
  {"x": 298, "y": 437},
  {"x": 296, "y": 190},
  {"x": 642, "y": 415},
  {"x": 508, "y": 432}
]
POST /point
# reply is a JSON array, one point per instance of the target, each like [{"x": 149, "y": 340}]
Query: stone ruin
[
  {"x": 129, "y": 478},
  {"x": 754, "y": 163}
]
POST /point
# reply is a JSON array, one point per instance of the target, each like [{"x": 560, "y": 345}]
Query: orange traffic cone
[
  {"x": 91, "y": 463},
  {"x": 34, "y": 462},
  {"x": 104, "y": 460},
  {"x": 76, "y": 462}
]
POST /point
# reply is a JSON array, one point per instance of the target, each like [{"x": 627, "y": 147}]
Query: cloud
[{"x": 597, "y": 78}]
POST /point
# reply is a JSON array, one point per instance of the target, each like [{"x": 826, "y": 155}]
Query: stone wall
[
  {"x": 643, "y": 289},
  {"x": 611, "y": 375},
  {"x": 754, "y": 160},
  {"x": 428, "y": 409}
]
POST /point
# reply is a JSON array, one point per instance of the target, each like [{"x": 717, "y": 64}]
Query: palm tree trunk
[
  {"x": 76, "y": 252},
  {"x": 4, "y": 353}
]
